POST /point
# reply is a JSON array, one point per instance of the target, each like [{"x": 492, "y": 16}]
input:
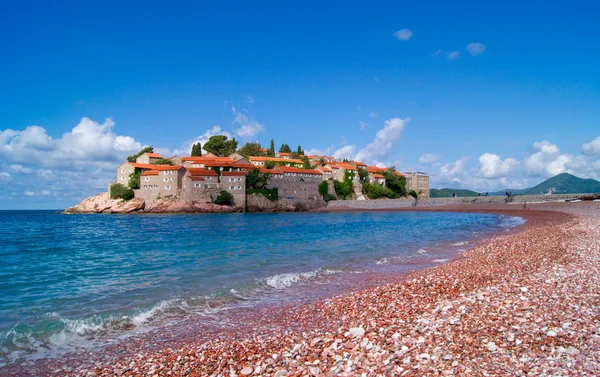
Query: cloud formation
[
  {"x": 475, "y": 48},
  {"x": 428, "y": 159},
  {"x": 491, "y": 166},
  {"x": 379, "y": 149},
  {"x": 453, "y": 55},
  {"x": 403, "y": 34},
  {"x": 249, "y": 128},
  {"x": 592, "y": 148},
  {"x": 186, "y": 150}
]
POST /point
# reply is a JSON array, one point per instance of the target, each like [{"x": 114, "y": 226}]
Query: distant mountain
[
  {"x": 447, "y": 192},
  {"x": 561, "y": 184}
]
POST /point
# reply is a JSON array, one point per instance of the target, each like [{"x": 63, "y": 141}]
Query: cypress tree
[{"x": 272, "y": 148}]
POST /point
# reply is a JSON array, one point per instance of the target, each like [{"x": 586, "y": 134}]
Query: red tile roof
[
  {"x": 150, "y": 172},
  {"x": 284, "y": 154},
  {"x": 153, "y": 155},
  {"x": 286, "y": 169},
  {"x": 345, "y": 166},
  {"x": 202, "y": 172},
  {"x": 377, "y": 176},
  {"x": 276, "y": 159},
  {"x": 195, "y": 178},
  {"x": 234, "y": 173},
  {"x": 155, "y": 167},
  {"x": 374, "y": 169},
  {"x": 358, "y": 163}
]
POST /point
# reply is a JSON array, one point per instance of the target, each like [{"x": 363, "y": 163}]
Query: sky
[{"x": 480, "y": 95}]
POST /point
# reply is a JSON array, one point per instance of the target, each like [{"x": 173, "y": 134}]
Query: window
[
  {"x": 165, "y": 172},
  {"x": 167, "y": 187},
  {"x": 122, "y": 178},
  {"x": 122, "y": 170},
  {"x": 166, "y": 180},
  {"x": 145, "y": 186},
  {"x": 146, "y": 179},
  {"x": 155, "y": 186},
  {"x": 172, "y": 179},
  {"x": 197, "y": 185}
]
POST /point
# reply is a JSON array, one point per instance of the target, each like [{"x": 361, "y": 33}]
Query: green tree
[
  {"x": 134, "y": 179},
  {"x": 363, "y": 174},
  {"x": 323, "y": 188},
  {"x": 163, "y": 161},
  {"x": 342, "y": 189},
  {"x": 251, "y": 149},
  {"x": 220, "y": 146},
  {"x": 306, "y": 163},
  {"x": 285, "y": 149},
  {"x": 257, "y": 180},
  {"x": 270, "y": 165},
  {"x": 118, "y": 191},
  {"x": 272, "y": 149},
  {"x": 300, "y": 150},
  {"x": 197, "y": 149},
  {"x": 135, "y": 156},
  {"x": 395, "y": 182},
  {"x": 224, "y": 198}
]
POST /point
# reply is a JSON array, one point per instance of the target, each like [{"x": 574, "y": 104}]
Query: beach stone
[
  {"x": 355, "y": 332},
  {"x": 246, "y": 371},
  {"x": 280, "y": 373}
]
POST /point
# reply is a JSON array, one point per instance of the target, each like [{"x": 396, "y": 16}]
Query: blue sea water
[{"x": 69, "y": 279}]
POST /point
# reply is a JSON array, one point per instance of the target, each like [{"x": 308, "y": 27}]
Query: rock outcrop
[
  {"x": 188, "y": 206},
  {"x": 102, "y": 203},
  {"x": 259, "y": 203}
]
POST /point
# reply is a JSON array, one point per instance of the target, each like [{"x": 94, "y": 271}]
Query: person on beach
[{"x": 524, "y": 205}]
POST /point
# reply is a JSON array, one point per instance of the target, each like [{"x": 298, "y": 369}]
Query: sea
[{"x": 74, "y": 281}]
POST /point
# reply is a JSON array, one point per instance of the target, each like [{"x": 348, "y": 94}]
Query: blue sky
[{"x": 480, "y": 95}]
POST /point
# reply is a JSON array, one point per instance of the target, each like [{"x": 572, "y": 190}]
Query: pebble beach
[{"x": 521, "y": 303}]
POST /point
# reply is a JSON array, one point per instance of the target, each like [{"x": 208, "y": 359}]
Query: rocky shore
[
  {"x": 102, "y": 203},
  {"x": 521, "y": 303}
]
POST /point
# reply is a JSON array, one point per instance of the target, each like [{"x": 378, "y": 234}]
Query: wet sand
[{"x": 524, "y": 302}]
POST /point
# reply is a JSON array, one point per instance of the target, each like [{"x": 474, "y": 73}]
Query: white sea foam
[
  {"x": 441, "y": 260},
  {"x": 286, "y": 280},
  {"x": 421, "y": 251},
  {"x": 461, "y": 243},
  {"x": 383, "y": 261},
  {"x": 511, "y": 221}
]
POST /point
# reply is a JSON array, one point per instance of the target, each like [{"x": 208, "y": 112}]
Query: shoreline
[{"x": 316, "y": 318}]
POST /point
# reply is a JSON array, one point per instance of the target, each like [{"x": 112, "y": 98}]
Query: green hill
[
  {"x": 447, "y": 192},
  {"x": 564, "y": 184}
]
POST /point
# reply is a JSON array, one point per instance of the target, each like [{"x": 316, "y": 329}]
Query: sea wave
[
  {"x": 289, "y": 279},
  {"x": 508, "y": 222}
]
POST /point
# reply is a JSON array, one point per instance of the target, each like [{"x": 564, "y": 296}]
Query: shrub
[
  {"x": 271, "y": 194},
  {"x": 374, "y": 191},
  {"x": 342, "y": 189},
  {"x": 414, "y": 194},
  {"x": 323, "y": 188},
  {"x": 119, "y": 191},
  {"x": 134, "y": 180},
  {"x": 329, "y": 197},
  {"x": 224, "y": 198},
  {"x": 163, "y": 161}
]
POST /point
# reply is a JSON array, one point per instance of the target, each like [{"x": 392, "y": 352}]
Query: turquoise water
[{"x": 71, "y": 279}]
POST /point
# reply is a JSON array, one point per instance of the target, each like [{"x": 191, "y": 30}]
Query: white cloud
[
  {"x": 249, "y": 100},
  {"x": 343, "y": 140},
  {"x": 592, "y": 148},
  {"x": 315, "y": 151},
  {"x": 491, "y": 166},
  {"x": 362, "y": 124},
  {"x": 5, "y": 177},
  {"x": 452, "y": 55},
  {"x": 475, "y": 48},
  {"x": 346, "y": 151},
  {"x": 403, "y": 34},
  {"x": 16, "y": 168},
  {"x": 373, "y": 114},
  {"x": 546, "y": 161},
  {"x": 29, "y": 193},
  {"x": 378, "y": 150},
  {"x": 249, "y": 128},
  {"x": 437, "y": 53},
  {"x": 428, "y": 159},
  {"x": 453, "y": 172},
  {"x": 89, "y": 144},
  {"x": 202, "y": 139}
]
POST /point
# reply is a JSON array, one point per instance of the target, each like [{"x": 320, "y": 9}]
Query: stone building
[
  {"x": 296, "y": 186},
  {"x": 148, "y": 158},
  {"x": 418, "y": 181},
  {"x": 289, "y": 162}
]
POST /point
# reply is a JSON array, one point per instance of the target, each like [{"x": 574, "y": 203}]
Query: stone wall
[{"x": 434, "y": 202}]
